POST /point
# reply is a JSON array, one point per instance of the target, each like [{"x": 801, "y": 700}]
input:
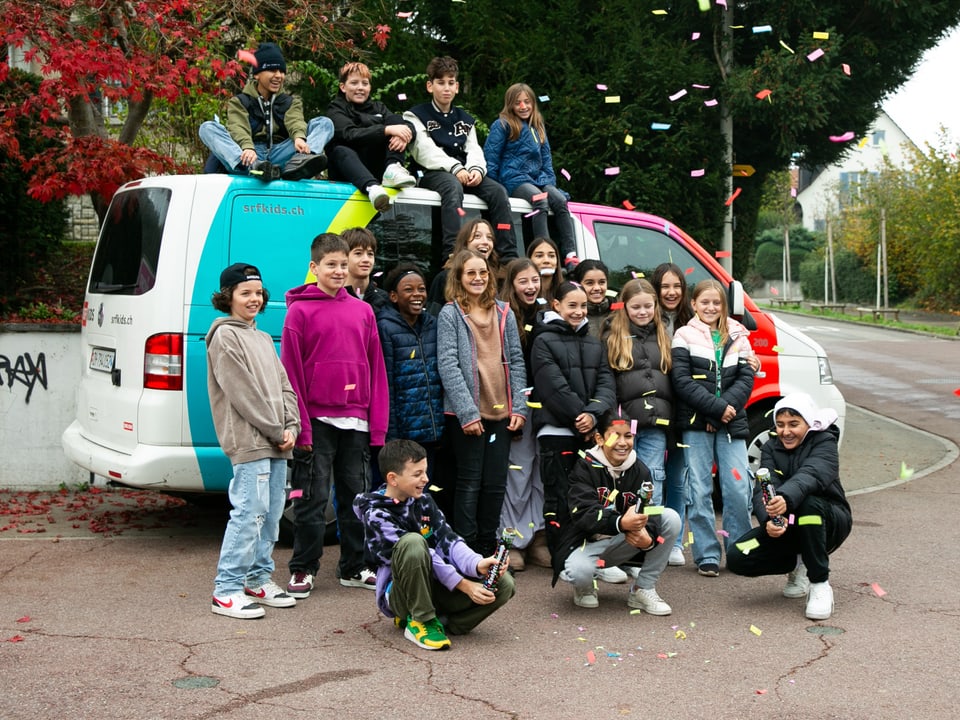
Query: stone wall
[
  {"x": 83, "y": 223},
  {"x": 39, "y": 375}
]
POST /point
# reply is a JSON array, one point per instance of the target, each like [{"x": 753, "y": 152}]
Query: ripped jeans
[{"x": 257, "y": 496}]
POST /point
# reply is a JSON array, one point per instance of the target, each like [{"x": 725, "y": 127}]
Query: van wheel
[
  {"x": 760, "y": 425},
  {"x": 330, "y": 536}
]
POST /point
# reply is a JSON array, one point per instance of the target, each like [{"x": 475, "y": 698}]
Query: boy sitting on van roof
[
  {"x": 447, "y": 151},
  {"x": 266, "y": 135}
]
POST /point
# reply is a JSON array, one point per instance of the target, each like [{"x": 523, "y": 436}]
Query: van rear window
[
  {"x": 125, "y": 262},
  {"x": 631, "y": 251}
]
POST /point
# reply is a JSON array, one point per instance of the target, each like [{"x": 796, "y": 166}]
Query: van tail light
[{"x": 163, "y": 362}]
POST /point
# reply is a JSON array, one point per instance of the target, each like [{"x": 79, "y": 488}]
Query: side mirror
[{"x": 738, "y": 307}]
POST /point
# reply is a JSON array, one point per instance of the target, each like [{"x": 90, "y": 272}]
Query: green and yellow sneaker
[{"x": 429, "y": 635}]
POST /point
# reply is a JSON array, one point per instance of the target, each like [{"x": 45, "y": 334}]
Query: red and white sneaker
[
  {"x": 270, "y": 594},
  {"x": 300, "y": 585},
  {"x": 237, "y": 606}
]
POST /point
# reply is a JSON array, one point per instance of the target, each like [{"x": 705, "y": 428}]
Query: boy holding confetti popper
[
  {"x": 807, "y": 514},
  {"x": 610, "y": 524}
]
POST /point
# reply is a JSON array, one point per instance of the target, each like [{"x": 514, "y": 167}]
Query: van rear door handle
[{"x": 115, "y": 376}]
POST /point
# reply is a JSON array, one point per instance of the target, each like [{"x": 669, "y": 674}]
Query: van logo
[{"x": 100, "y": 316}]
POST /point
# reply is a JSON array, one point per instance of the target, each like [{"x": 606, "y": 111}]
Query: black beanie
[{"x": 269, "y": 57}]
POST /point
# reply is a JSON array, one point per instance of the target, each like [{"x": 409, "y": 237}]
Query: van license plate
[{"x": 102, "y": 359}]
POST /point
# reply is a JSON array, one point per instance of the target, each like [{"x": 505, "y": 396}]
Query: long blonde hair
[
  {"x": 455, "y": 291},
  {"x": 711, "y": 284},
  {"x": 620, "y": 339},
  {"x": 514, "y": 123}
]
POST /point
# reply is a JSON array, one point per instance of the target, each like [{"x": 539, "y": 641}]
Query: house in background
[{"x": 820, "y": 191}]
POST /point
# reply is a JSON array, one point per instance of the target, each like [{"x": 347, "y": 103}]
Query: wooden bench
[
  {"x": 878, "y": 313},
  {"x": 783, "y": 302},
  {"x": 820, "y": 307}
]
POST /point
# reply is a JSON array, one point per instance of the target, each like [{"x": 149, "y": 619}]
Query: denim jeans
[
  {"x": 216, "y": 137},
  {"x": 581, "y": 564},
  {"x": 257, "y": 494},
  {"x": 651, "y": 447},
  {"x": 736, "y": 488},
  {"x": 555, "y": 201},
  {"x": 675, "y": 481},
  {"x": 451, "y": 202},
  {"x": 481, "y": 482},
  {"x": 340, "y": 454}
]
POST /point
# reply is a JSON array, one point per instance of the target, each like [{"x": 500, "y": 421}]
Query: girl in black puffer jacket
[{"x": 638, "y": 352}]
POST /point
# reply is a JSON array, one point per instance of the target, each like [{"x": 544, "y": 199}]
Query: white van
[{"x": 143, "y": 417}]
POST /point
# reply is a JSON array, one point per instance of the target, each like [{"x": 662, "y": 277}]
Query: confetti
[
  {"x": 610, "y": 171},
  {"x": 534, "y": 405},
  {"x": 461, "y": 212},
  {"x": 16, "y": 638},
  {"x": 538, "y": 197},
  {"x": 763, "y": 94},
  {"x": 504, "y": 226},
  {"x": 402, "y": 97},
  {"x": 565, "y": 174},
  {"x": 516, "y": 467},
  {"x": 247, "y": 57},
  {"x": 24, "y": 619},
  {"x": 628, "y": 140},
  {"x": 659, "y": 12},
  {"x": 628, "y": 205},
  {"x": 659, "y": 126},
  {"x": 787, "y": 47},
  {"x": 677, "y": 95},
  {"x": 755, "y": 630},
  {"x": 351, "y": 386},
  {"x": 819, "y": 35},
  {"x": 736, "y": 474},
  {"x": 633, "y": 426},
  {"x": 653, "y": 510},
  {"x": 493, "y": 437},
  {"x": 699, "y": 172},
  {"x": 695, "y": 36},
  {"x": 722, "y": 253},
  {"x": 612, "y": 99},
  {"x": 611, "y": 440},
  {"x": 757, "y": 29},
  {"x": 747, "y": 545},
  {"x": 413, "y": 353},
  {"x": 704, "y": 6},
  {"x": 591, "y": 657},
  {"x": 734, "y": 196},
  {"x": 849, "y": 135},
  {"x": 845, "y": 68},
  {"x": 434, "y": 488},
  {"x": 880, "y": 592},
  {"x": 724, "y": 533},
  {"x": 809, "y": 520},
  {"x": 815, "y": 55},
  {"x": 761, "y": 692},
  {"x": 905, "y": 472},
  {"x": 404, "y": 14},
  {"x": 711, "y": 102},
  {"x": 601, "y": 87},
  {"x": 791, "y": 519},
  {"x": 616, "y": 306},
  {"x": 295, "y": 494},
  {"x": 544, "y": 98},
  {"x": 680, "y": 635}
]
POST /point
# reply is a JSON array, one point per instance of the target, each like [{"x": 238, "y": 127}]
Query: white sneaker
[
  {"x": 819, "y": 601},
  {"x": 378, "y": 198},
  {"x": 648, "y": 601},
  {"x": 366, "y": 578},
  {"x": 237, "y": 606},
  {"x": 270, "y": 594},
  {"x": 585, "y": 598},
  {"x": 797, "y": 583},
  {"x": 612, "y": 575},
  {"x": 676, "y": 557},
  {"x": 397, "y": 176}
]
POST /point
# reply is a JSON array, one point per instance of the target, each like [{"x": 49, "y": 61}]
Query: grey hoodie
[{"x": 251, "y": 399}]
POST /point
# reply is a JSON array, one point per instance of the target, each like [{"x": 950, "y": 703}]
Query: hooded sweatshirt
[
  {"x": 331, "y": 351},
  {"x": 385, "y": 520},
  {"x": 251, "y": 399}
]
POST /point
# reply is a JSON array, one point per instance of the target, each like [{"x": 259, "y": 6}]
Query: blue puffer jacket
[
  {"x": 514, "y": 162},
  {"x": 410, "y": 356}
]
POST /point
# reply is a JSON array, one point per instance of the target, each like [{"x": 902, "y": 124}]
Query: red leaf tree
[{"x": 130, "y": 52}]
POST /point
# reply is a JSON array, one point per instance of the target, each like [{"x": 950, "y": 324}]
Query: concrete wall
[{"x": 39, "y": 375}]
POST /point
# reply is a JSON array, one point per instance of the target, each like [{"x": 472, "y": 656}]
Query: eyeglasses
[{"x": 476, "y": 274}]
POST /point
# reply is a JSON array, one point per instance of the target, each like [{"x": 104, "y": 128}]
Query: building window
[{"x": 879, "y": 137}]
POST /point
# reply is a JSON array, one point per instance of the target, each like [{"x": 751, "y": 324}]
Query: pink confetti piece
[
  {"x": 712, "y": 102},
  {"x": 610, "y": 171},
  {"x": 633, "y": 426},
  {"x": 700, "y": 87},
  {"x": 538, "y": 197},
  {"x": 616, "y": 306},
  {"x": 401, "y": 96},
  {"x": 16, "y": 638},
  {"x": 565, "y": 174},
  {"x": 722, "y": 3},
  {"x": 763, "y": 94},
  {"x": 815, "y": 55},
  {"x": 722, "y": 253},
  {"x": 24, "y": 619},
  {"x": 845, "y": 68},
  {"x": 351, "y": 386},
  {"x": 790, "y": 519},
  {"x": 532, "y": 213},
  {"x": 724, "y": 533},
  {"x": 793, "y": 192},
  {"x": 880, "y": 592},
  {"x": 688, "y": 271},
  {"x": 404, "y": 14},
  {"x": 678, "y": 94},
  {"x": 591, "y": 657},
  {"x": 695, "y": 36},
  {"x": 461, "y": 212},
  {"x": 774, "y": 291},
  {"x": 247, "y": 57},
  {"x": 734, "y": 196},
  {"x": 601, "y": 87},
  {"x": 628, "y": 205},
  {"x": 849, "y": 135},
  {"x": 761, "y": 692},
  {"x": 700, "y": 172},
  {"x": 736, "y": 474},
  {"x": 504, "y": 226},
  {"x": 295, "y": 494}
]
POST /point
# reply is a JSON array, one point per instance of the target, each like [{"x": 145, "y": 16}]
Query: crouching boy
[
  {"x": 424, "y": 569},
  {"x": 605, "y": 527}
]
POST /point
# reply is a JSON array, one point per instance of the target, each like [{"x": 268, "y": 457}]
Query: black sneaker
[
  {"x": 265, "y": 170},
  {"x": 304, "y": 165},
  {"x": 709, "y": 570}
]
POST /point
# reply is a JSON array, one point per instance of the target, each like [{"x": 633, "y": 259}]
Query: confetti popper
[
  {"x": 644, "y": 496},
  {"x": 769, "y": 493},
  {"x": 503, "y": 550}
]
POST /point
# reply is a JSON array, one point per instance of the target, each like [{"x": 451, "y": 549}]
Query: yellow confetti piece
[
  {"x": 699, "y": 377},
  {"x": 681, "y": 445},
  {"x": 527, "y": 328},
  {"x": 612, "y": 99},
  {"x": 613, "y": 495},
  {"x": 653, "y": 510},
  {"x": 599, "y": 515},
  {"x": 662, "y": 421},
  {"x": 534, "y": 405},
  {"x": 582, "y": 454},
  {"x": 819, "y": 35},
  {"x": 576, "y": 509},
  {"x": 787, "y": 47},
  {"x": 499, "y": 407},
  {"x": 609, "y": 442},
  {"x": 809, "y": 520},
  {"x": 777, "y": 348},
  {"x": 516, "y": 467},
  {"x": 748, "y": 545},
  {"x": 755, "y": 630},
  {"x": 905, "y": 472},
  {"x": 628, "y": 140},
  {"x": 413, "y": 354},
  {"x": 659, "y": 12},
  {"x": 690, "y": 538},
  {"x": 636, "y": 612},
  {"x": 680, "y": 635},
  {"x": 434, "y": 488}
]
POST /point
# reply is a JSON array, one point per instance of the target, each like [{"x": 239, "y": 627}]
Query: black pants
[
  {"x": 362, "y": 167},
  {"x": 558, "y": 453},
  {"x": 813, "y": 542},
  {"x": 451, "y": 201}
]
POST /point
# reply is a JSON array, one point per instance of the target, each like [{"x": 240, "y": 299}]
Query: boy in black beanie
[{"x": 266, "y": 135}]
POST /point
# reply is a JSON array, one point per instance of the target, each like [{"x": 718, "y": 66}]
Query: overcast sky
[{"x": 929, "y": 99}]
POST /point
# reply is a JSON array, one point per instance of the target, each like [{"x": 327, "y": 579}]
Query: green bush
[
  {"x": 768, "y": 258},
  {"x": 855, "y": 282}
]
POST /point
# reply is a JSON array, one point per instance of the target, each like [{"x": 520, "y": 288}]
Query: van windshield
[
  {"x": 630, "y": 251},
  {"x": 126, "y": 259}
]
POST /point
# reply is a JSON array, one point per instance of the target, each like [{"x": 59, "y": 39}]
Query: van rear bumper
[{"x": 152, "y": 467}]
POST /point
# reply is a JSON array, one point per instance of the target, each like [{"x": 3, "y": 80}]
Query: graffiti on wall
[{"x": 24, "y": 371}]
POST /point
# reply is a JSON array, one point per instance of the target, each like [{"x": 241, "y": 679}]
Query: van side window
[
  {"x": 406, "y": 235},
  {"x": 126, "y": 258},
  {"x": 632, "y": 251}
]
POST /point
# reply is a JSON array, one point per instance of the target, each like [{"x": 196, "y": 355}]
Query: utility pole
[{"x": 726, "y": 130}]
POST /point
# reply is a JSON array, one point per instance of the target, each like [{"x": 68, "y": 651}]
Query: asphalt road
[{"x": 117, "y": 625}]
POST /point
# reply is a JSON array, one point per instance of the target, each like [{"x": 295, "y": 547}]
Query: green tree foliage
[
  {"x": 856, "y": 283},
  {"x": 31, "y": 229},
  {"x": 565, "y": 48},
  {"x": 768, "y": 262}
]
